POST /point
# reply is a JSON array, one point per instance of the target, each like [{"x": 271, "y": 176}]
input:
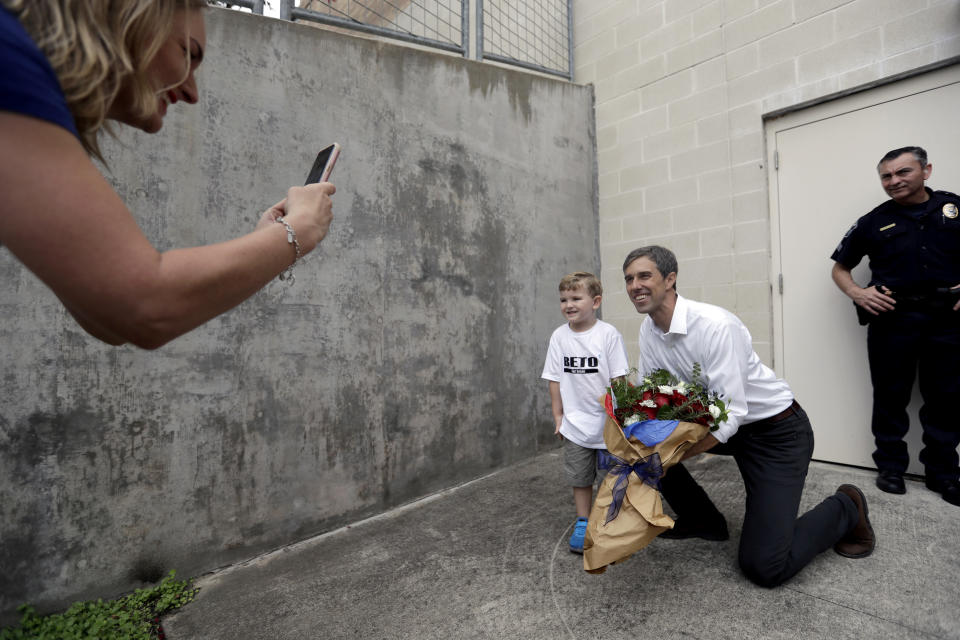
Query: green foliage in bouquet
[
  {"x": 135, "y": 616},
  {"x": 662, "y": 396}
]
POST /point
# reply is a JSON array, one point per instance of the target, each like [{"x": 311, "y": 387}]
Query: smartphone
[{"x": 323, "y": 165}]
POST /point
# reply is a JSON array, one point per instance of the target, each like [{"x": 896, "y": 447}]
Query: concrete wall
[
  {"x": 682, "y": 87},
  {"x": 404, "y": 359}
]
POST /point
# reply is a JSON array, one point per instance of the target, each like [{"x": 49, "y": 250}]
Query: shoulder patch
[
  {"x": 839, "y": 248},
  {"x": 850, "y": 230}
]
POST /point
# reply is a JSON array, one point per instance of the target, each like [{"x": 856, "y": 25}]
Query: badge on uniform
[{"x": 950, "y": 210}]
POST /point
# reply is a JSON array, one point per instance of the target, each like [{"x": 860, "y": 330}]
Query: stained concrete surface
[
  {"x": 489, "y": 560},
  {"x": 400, "y": 361}
]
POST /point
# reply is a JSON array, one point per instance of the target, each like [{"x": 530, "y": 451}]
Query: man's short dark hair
[
  {"x": 665, "y": 260},
  {"x": 918, "y": 152}
]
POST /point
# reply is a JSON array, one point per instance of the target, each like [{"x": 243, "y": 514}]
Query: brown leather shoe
[{"x": 860, "y": 540}]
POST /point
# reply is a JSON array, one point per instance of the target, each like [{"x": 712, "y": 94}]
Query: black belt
[{"x": 929, "y": 299}]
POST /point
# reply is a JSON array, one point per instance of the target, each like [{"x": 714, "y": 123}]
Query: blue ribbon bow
[{"x": 647, "y": 469}]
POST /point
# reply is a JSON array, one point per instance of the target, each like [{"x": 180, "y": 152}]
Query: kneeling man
[{"x": 767, "y": 433}]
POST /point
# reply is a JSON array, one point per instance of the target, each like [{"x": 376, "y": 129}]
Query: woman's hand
[
  {"x": 270, "y": 216},
  {"x": 84, "y": 244},
  {"x": 308, "y": 209}
]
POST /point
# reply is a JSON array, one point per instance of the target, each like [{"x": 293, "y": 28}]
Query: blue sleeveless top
[{"x": 28, "y": 84}]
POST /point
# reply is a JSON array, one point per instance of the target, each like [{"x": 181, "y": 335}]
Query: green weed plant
[{"x": 135, "y": 616}]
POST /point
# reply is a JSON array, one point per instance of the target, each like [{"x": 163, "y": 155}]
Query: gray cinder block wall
[
  {"x": 403, "y": 360},
  {"x": 682, "y": 89}
]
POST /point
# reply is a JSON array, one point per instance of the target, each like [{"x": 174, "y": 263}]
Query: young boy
[{"x": 584, "y": 355}]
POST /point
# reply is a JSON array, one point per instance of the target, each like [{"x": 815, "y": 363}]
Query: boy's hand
[{"x": 556, "y": 428}]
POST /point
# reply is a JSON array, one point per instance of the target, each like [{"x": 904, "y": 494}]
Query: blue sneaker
[{"x": 576, "y": 538}]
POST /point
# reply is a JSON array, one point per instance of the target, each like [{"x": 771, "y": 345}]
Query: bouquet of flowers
[
  {"x": 662, "y": 396},
  {"x": 648, "y": 428}
]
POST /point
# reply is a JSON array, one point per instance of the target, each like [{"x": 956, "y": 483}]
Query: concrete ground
[{"x": 489, "y": 560}]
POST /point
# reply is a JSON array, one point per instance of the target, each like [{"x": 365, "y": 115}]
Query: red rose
[{"x": 661, "y": 399}]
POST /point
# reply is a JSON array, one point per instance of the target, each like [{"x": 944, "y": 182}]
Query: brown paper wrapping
[{"x": 641, "y": 517}]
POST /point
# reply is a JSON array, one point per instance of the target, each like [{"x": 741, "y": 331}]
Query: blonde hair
[
  {"x": 583, "y": 279},
  {"x": 96, "y": 47}
]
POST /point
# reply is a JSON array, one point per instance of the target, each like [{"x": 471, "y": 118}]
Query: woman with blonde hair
[{"x": 70, "y": 68}]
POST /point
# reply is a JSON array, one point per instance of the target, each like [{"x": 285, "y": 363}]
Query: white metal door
[{"x": 822, "y": 164}]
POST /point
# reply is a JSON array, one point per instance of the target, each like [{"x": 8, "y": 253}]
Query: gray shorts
[{"x": 580, "y": 465}]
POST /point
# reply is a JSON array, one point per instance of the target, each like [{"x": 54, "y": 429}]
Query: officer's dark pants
[
  {"x": 899, "y": 345},
  {"x": 773, "y": 458}
]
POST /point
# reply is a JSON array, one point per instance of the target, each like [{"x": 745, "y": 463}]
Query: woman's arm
[{"x": 67, "y": 225}]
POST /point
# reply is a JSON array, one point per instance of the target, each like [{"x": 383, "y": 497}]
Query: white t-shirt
[
  {"x": 720, "y": 342},
  {"x": 583, "y": 363}
]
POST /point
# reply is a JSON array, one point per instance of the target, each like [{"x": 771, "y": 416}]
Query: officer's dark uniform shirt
[{"x": 911, "y": 248}]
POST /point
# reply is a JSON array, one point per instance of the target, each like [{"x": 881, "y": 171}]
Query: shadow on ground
[{"x": 489, "y": 560}]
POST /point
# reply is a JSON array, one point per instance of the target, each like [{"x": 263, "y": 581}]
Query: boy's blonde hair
[
  {"x": 583, "y": 279},
  {"x": 94, "y": 46}
]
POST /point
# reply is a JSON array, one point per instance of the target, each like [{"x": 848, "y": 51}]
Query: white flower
[
  {"x": 680, "y": 387},
  {"x": 714, "y": 411},
  {"x": 631, "y": 420},
  {"x": 649, "y": 403}
]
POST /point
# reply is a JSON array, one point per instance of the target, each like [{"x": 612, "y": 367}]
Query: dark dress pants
[
  {"x": 773, "y": 458},
  {"x": 900, "y": 344}
]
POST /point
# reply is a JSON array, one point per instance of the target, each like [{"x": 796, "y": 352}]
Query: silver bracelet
[{"x": 287, "y": 274}]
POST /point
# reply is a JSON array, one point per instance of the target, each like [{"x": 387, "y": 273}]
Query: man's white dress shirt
[{"x": 720, "y": 342}]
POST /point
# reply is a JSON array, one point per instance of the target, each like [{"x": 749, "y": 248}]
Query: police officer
[{"x": 912, "y": 307}]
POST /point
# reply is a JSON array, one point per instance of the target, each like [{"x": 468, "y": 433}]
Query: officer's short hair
[
  {"x": 665, "y": 260},
  {"x": 918, "y": 152}
]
